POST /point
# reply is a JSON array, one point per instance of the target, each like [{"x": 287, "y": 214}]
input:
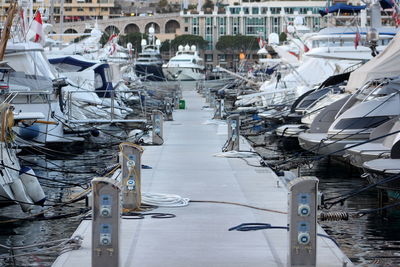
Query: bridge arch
[
  {"x": 155, "y": 25},
  {"x": 110, "y": 29},
  {"x": 171, "y": 26},
  {"x": 131, "y": 28}
]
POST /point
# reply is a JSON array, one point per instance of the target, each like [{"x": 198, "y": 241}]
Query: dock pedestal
[{"x": 130, "y": 160}]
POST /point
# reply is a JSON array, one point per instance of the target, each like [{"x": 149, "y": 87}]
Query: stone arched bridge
[{"x": 164, "y": 24}]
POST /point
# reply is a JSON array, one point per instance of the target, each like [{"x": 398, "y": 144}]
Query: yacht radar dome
[
  {"x": 273, "y": 38},
  {"x": 180, "y": 48},
  {"x": 193, "y": 48},
  {"x": 290, "y": 29},
  {"x": 298, "y": 20},
  {"x": 187, "y": 47}
]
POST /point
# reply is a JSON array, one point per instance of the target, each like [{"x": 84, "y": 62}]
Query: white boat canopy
[{"x": 384, "y": 65}]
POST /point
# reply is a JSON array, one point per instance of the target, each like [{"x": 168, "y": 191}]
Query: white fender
[
  {"x": 20, "y": 195},
  {"x": 32, "y": 185}
]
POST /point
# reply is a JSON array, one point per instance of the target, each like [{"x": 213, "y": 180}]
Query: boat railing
[
  {"x": 109, "y": 104},
  {"x": 353, "y": 67}
]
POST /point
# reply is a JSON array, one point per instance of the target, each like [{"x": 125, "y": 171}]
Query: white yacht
[
  {"x": 338, "y": 43},
  {"x": 148, "y": 65},
  {"x": 186, "y": 65}
]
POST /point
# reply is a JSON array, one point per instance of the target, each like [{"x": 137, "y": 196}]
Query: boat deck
[{"x": 199, "y": 235}]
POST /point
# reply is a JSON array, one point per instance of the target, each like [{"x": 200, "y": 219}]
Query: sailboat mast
[
  {"x": 52, "y": 12},
  {"x": 5, "y": 34},
  {"x": 61, "y": 19}
]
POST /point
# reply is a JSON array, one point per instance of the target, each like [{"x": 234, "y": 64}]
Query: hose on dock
[
  {"x": 164, "y": 200},
  {"x": 245, "y": 227},
  {"x": 237, "y": 204}
]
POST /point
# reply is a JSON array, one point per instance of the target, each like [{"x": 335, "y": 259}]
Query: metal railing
[{"x": 113, "y": 97}]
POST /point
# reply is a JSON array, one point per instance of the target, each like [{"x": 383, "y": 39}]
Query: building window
[
  {"x": 276, "y": 25},
  {"x": 303, "y": 10},
  {"x": 195, "y": 26},
  {"x": 104, "y": 9},
  {"x": 80, "y": 9},
  {"x": 91, "y": 9},
  {"x": 102, "y": 1},
  {"x": 255, "y": 26},
  {"x": 68, "y": 9},
  {"x": 246, "y": 10},
  {"x": 289, "y": 10},
  {"x": 186, "y": 20},
  {"x": 209, "y": 58},
  {"x": 56, "y": 10},
  {"x": 209, "y": 32},
  {"x": 222, "y": 26},
  {"x": 315, "y": 10},
  {"x": 210, "y": 43},
  {"x": 235, "y": 10},
  {"x": 316, "y": 24},
  {"x": 68, "y": 1},
  {"x": 264, "y": 10},
  {"x": 235, "y": 26},
  {"x": 222, "y": 57},
  {"x": 255, "y": 10},
  {"x": 275, "y": 10},
  {"x": 186, "y": 29},
  {"x": 88, "y": 1}
]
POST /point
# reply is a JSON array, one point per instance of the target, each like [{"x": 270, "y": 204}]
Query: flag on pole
[
  {"x": 260, "y": 42},
  {"x": 395, "y": 13},
  {"x": 113, "y": 48},
  {"x": 37, "y": 27},
  {"x": 22, "y": 21},
  {"x": 357, "y": 39},
  {"x": 111, "y": 37}
]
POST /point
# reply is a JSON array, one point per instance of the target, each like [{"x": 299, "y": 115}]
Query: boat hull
[
  {"x": 149, "y": 72},
  {"x": 183, "y": 74},
  {"x": 319, "y": 144},
  {"x": 379, "y": 169}
]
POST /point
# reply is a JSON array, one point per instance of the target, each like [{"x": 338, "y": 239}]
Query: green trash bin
[{"x": 182, "y": 104}]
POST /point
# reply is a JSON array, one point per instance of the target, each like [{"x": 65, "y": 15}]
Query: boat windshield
[{"x": 361, "y": 123}]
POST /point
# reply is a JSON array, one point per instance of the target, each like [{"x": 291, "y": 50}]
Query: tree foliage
[
  {"x": 237, "y": 42},
  {"x": 134, "y": 38},
  {"x": 188, "y": 39},
  {"x": 165, "y": 46},
  {"x": 208, "y": 4},
  {"x": 282, "y": 37},
  {"x": 104, "y": 38},
  {"x": 162, "y": 3}
]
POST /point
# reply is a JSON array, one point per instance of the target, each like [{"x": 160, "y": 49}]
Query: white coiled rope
[{"x": 164, "y": 200}]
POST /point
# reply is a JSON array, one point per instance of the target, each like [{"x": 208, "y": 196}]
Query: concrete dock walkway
[{"x": 199, "y": 235}]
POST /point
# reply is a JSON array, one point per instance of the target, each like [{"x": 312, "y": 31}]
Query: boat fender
[
  {"x": 95, "y": 132},
  {"x": 32, "y": 185},
  {"x": 21, "y": 196},
  {"x": 29, "y": 132}
]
